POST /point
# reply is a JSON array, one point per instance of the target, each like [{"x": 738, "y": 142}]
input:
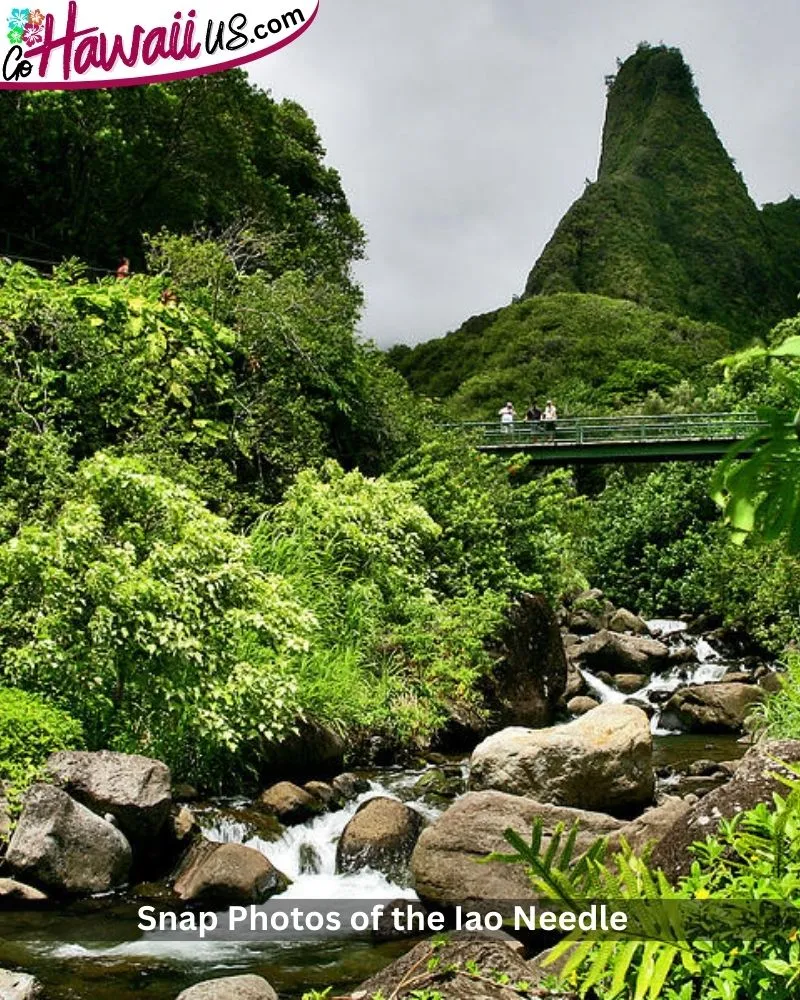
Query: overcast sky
[{"x": 464, "y": 129}]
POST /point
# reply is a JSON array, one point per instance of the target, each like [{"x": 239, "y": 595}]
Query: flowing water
[{"x": 93, "y": 950}]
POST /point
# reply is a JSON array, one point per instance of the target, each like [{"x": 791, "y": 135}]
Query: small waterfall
[
  {"x": 307, "y": 853},
  {"x": 707, "y": 666},
  {"x": 606, "y": 694}
]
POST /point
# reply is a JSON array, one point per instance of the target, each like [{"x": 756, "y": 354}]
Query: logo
[{"x": 89, "y": 43}]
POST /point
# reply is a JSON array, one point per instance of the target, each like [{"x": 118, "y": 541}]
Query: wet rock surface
[
  {"x": 227, "y": 874},
  {"x": 380, "y": 836},
  {"x": 61, "y": 846}
]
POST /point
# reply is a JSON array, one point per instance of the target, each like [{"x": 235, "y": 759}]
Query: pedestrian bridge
[{"x": 584, "y": 440}]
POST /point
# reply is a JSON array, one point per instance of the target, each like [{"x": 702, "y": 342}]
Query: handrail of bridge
[{"x": 617, "y": 429}]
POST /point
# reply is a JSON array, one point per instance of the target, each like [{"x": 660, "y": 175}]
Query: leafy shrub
[
  {"x": 142, "y": 614},
  {"x": 30, "y": 730},
  {"x": 646, "y": 537}
]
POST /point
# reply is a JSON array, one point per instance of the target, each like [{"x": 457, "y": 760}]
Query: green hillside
[
  {"x": 588, "y": 351},
  {"x": 662, "y": 265}
]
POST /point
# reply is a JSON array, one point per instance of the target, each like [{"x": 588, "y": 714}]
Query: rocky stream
[{"x": 647, "y": 742}]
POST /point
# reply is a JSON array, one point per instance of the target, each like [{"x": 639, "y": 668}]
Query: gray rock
[
  {"x": 227, "y": 874},
  {"x": 451, "y": 979},
  {"x": 581, "y": 705},
  {"x": 381, "y": 836},
  {"x": 61, "y": 846},
  {"x": 18, "y": 986},
  {"x": 231, "y": 988},
  {"x": 289, "y": 803},
  {"x": 137, "y": 791},
  {"x": 349, "y": 786},
  {"x": 323, "y": 791},
  {"x": 529, "y": 675},
  {"x": 711, "y": 708},
  {"x": 444, "y": 862},
  {"x": 752, "y": 783},
  {"x": 630, "y": 683},
  {"x": 626, "y": 621},
  {"x": 602, "y": 760},
  {"x": 622, "y": 654},
  {"x": 16, "y": 895}
]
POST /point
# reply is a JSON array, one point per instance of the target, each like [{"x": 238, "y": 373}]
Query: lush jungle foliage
[
  {"x": 96, "y": 169},
  {"x": 30, "y": 730}
]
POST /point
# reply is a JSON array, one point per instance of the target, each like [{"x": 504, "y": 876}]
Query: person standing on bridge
[
  {"x": 550, "y": 417},
  {"x": 507, "y": 414}
]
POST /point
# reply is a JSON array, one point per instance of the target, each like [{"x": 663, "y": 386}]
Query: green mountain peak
[{"x": 669, "y": 222}]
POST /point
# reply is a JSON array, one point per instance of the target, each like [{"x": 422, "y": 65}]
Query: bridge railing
[{"x": 614, "y": 429}]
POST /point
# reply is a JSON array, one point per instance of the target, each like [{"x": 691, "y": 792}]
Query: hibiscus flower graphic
[
  {"x": 36, "y": 18},
  {"x": 18, "y": 18},
  {"x": 15, "y": 36},
  {"x": 32, "y": 35}
]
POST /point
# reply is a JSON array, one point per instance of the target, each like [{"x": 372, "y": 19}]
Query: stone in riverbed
[
  {"x": 227, "y": 874},
  {"x": 711, "y": 708},
  {"x": 529, "y": 675},
  {"x": 752, "y": 783},
  {"x": 18, "y": 986},
  {"x": 626, "y": 621},
  {"x": 581, "y": 705},
  {"x": 136, "y": 791},
  {"x": 621, "y": 654},
  {"x": 63, "y": 847},
  {"x": 444, "y": 862},
  {"x": 16, "y": 895},
  {"x": 461, "y": 952},
  {"x": 381, "y": 836},
  {"x": 603, "y": 760},
  {"x": 290, "y": 803},
  {"x": 231, "y": 988},
  {"x": 349, "y": 786},
  {"x": 630, "y": 683}
]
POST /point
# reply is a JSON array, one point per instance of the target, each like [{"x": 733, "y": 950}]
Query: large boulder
[
  {"x": 453, "y": 976},
  {"x": 751, "y": 783},
  {"x": 529, "y": 676},
  {"x": 227, "y": 874},
  {"x": 61, "y": 846},
  {"x": 231, "y": 988},
  {"x": 136, "y": 791},
  {"x": 603, "y": 760},
  {"x": 621, "y": 654},
  {"x": 711, "y": 708},
  {"x": 445, "y": 861},
  {"x": 381, "y": 836},
  {"x": 18, "y": 986},
  {"x": 289, "y": 803}
]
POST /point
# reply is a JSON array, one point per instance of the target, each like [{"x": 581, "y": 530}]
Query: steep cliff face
[
  {"x": 660, "y": 267},
  {"x": 669, "y": 222}
]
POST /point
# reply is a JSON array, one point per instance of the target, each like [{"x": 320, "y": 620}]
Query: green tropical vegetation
[
  {"x": 225, "y": 517},
  {"x": 665, "y": 951}
]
